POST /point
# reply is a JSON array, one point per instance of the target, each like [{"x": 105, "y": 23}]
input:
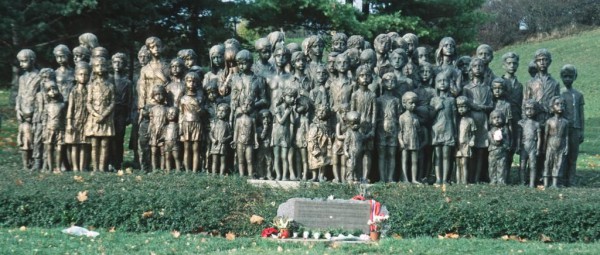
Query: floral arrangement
[
  {"x": 282, "y": 222},
  {"x": 377, "y": 223}
]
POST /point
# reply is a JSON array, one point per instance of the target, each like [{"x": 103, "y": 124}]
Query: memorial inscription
[{"x": 328, "y": 214}]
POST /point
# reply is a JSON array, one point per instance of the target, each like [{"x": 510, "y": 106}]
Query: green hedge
[{"x": 191, "y": 203}]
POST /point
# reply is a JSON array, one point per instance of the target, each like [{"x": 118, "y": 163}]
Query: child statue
[
  {"x": 408, "y": 137},
  {"x": 99, "y": 127},
  {"x": 480, "y": 96},
  {"x": 64, "y": 73},
  {"x": 542, "y": 87},
  {"x": 556, "y": 138},
  {"x": 398, "y": 60},
  {"x": 387, "y": 128},
  {"x": 265, "y": 150},
  {"x": 158, "y": 120},
  {"x": 382, "y": 45},
  {"x": 171, "y": 140},
  {"x": 302, "y": 125},
  {"x": 283, "y": 131},
  {"x": 176, "y": 88},
  {"x": 486, "y": 53},
  {"x": 220, "y": 136},
  {"x": 529, "y": 142},
  {"x": 364, "y": 101},
  {"x": 313, "y": 47},
  {"x": 216, "y": 73},
  {"x": 190, "y": 59},
  {"x": 319, "y": 145},
  {"x": 339, "y": 42},
  {"x": 54, "y": 123},
  {"x": 412, "y": 42},
  {"x": 422, "y": 55},
  {"x": 338, "y": 158},
  {"x": 353, "y": 145},
  {"x": 319, "y": 95},
  {"x": 499, "y": 138},
  {"x": 245, "y": 84},
  {"x": 263, "y": 67},
  {"x": 245, "y": 139},
  {"x": 514, "y": 95},
  {"x": 29, "y": 84},
  {"x": 122, "y": 112},
  {"x": 443, "y": 128},
  {"x": 81, "y": 53},
  {"x": 190, "y": 123},
  {"x": 341, "y": 87},
  {"x": 466, "y": 139},
  {"x": 76, "y": 117},
  {"x": 88, "y": 40},
  {"x": 574, "y": 113},
  {"x": 45, "y": 75},
  {"x": 152, "y": 74},
  {"x": 463, "y": 80}
]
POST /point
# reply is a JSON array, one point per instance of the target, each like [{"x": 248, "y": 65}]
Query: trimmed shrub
[{"x": 192, "y": 203}]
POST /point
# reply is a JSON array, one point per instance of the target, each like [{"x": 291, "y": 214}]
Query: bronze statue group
[{"x": 289, "y": 113}]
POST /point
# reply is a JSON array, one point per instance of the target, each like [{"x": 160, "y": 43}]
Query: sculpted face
[
  {"x": 342, "y": 64},
  {"x": 321, "y": 76},
  {"x": 264, "y": 53},
  {"x": 389, "y": 82},
  {"x": 558, "y": 106},
  {"x": 542, "y": 63},
  {"x": 190, "y": 83},
  {"x": 510, "y": 65},
  {"x": 26, "y": 63},
  {"x": 530, "y": 111},
  {"x": 498, "y": 90},
  {"x": 462, "y": 108},
  {"x": 448, "y": 48},
  {"x": 410, "y": 104},
  {"x": 217, "y": 60},
  {"x": 222, "y": 112},
  {"x": 477, "y": 68},
  {"x": 397, "y": 61},
  {"x": 61, "y": 58},
  {"x": 176, "y": 69},
  {"x": 281, "y": 59},
  {"x": 118, "y": 64},
  {"x": 100, "y": 67},
  {"x": 408, "y": 70},
  {"x": 300, "y": 64},
  {"x": 365, "y": 78},
  {"x": 338, "y": 46},
  {"x": 497, "y": 120},
  {"x": 317, "y": 50},
  {"x": 189, "y": 61},
  {"x": 82, "y": 76},
  {"x": 486, "y": 55},
  {"x": 442, "y": 83},
  {"x": 155, "y": 49},
  {"x": 245, "y": 65},
  {"x": 425, "y": 73}
]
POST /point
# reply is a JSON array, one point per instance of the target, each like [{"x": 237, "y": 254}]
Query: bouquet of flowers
[{"x": 377, "y": 223}]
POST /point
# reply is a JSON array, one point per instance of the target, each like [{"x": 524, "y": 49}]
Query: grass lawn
[{"x": 52, "y": 241}]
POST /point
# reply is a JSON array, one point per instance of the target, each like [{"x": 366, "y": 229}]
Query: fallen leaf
[
  {"x": 78, "y": 178},
  {"x": 448, "y": 199},
  {"x": 147, "y": 214},
  {"x": 396, "y": 236},
  {"x": 545, "y": 239},
  {"x": 82, "y": 196},
  {"x": 203, "y": 240},
  {"x": 441, "y": 237},
  {"x": 452, "y": 235},
  {"x": 19, "y": 182},
  {"x": 120, "y": 173},
  {"x": 279, "y": 249},
  {"x": 23, "y": 228},
  {"x": 138, "y": 178},
  {"x": 175, "y": 233},
  {"x": 230, "y": 236},
  {"x": 128, "y": 170},
  {"x": 112, "y": 230},
  {"x": 540, "y": 187},
  {"x": 444, "y": 188},
  {"x": 335, "y": 245},
  {"x": 255, "y": 219}
]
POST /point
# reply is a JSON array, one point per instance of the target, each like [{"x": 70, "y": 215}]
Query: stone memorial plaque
[{"x": 325, "y": 214}]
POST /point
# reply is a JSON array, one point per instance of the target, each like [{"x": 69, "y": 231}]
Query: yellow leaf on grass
[
  {"x": 175, "y": 233},
  {"x": 279, "y": 249},
  {"x": 23, "y": 228},
  {"x": 230, "y": 236},
  {"x": 545, "y": 239},
  {"x": 120, "y": 173},
  {"x": 444, "y": 188},
  {"x": 452, "y": 235},
  {"x": 112, "y": 230},
  {"x": 147, "y": 214},
  {"x": 138, "y": 178},
  {"x": 255, "y": 219},
  {"x": 82, "y": 196},
  {"x": 19, "y": 182},
  {"x": 128, "y": 170},
  {"x": 78, "y": 178}
]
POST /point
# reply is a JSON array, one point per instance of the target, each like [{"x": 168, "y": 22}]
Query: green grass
[{"x": 52, "y": 241}]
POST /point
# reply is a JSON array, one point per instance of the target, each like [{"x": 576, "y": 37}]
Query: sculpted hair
[
  {"x": 26, "y": 53},
  {"x": 508, "y": 55},
  {"x": 61, "y": 48},
  {"x": 568, "y": 69}
]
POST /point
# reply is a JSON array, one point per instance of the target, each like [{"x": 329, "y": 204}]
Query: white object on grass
[{"x": 79, "y": 231}]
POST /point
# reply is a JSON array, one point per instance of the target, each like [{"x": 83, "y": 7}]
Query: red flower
[{"x": 267, "y": 232}]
